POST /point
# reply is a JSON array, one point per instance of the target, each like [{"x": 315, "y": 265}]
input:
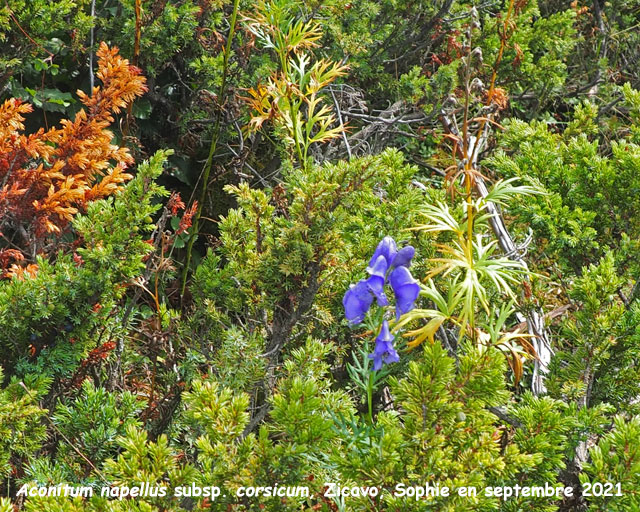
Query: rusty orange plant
[{"x": 48, "y": 176}]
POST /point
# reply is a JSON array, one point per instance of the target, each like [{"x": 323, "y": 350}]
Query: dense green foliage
[{"x": 188, "y": 330}]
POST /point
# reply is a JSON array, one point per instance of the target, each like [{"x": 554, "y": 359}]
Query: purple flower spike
[
  {"x": 387, "y": 248},
  {"x": 403, "y": 257},
  {"x": 357, "y": 302},
  {"x": 406, "y": 289},
  {"x": 359, "y": 297},
  {"x": 376, "y": 281},
  {"x": 384, "y": 351}
]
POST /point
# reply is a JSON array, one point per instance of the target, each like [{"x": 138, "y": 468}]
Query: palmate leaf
[
  {"x": 474, "y": 273},
  {"x": 321, "y": 122},
  {"x": 440, "y": 219},
  {"x": 268, "y": 22},
  {"x": 500, "y": 194},
  {"x": 446, "y": 305},
  {"x": 514, "y": 344},
  {"x": 500, "y": 270},
  {"x": 302, "y": 75},
  {"x": 323, "y": 73},
  {"x": 445, "y": 311},
  {"x": 290, "y": 100},
  {"x": 481, "y": 266},
  {"x": 302, "y": 36},
  {"x": 426, "y": 332},
  {"x": 503, "y": 191},
  {"x": 274, "y": 27},
  {"x": 415, "y": 314}
]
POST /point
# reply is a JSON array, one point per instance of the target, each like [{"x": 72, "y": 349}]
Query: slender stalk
[
  {"x": 91, "y": 41},
  {"x": 370, "y": 397},
  {"x": 468, "y": 175},
  {"x": 212, "y": 149},
  {"x": 136, "y": 55},
  {"x": 138, "y": 34},
  {"x": 295, "y": 119},
  {"x": 469, "y": 150},
  {"x": 504, "y": 36}
]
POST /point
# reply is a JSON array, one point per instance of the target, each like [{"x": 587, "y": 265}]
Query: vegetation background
[{"x": 191, "y": 192}]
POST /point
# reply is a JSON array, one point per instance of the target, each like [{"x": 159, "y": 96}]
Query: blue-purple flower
[
  {"x": 405, "y": 288},
  {"x": 357, "y": 302},
  {"x": 376, "y": 281},
  {"x": 403, "y": 257},
  {"x": 386, "y": 248},
  {"x": 386, "y": 262},
  {"x": 384, "y": 352}
]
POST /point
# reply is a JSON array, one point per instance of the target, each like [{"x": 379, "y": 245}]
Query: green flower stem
[
  {"x": 370, "y": 397},
  {"x": 212, "y": 149}
]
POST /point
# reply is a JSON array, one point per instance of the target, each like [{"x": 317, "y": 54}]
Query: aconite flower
[
  {"x": 358, "y": 298},
  {"x": 387, "y": 248},
  {"x": 403, "y": 257},
  {"x": 357, "y": 302},
  {"x": 405, "y": 288},
  {"x": 376, "y": 280},
  {"x": 384, "y": 352}
]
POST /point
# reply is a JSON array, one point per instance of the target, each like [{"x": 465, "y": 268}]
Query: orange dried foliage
[
  {"x": 95, "y": 357},
  {"x": 187, "y": 218},
  {"x": 48, "y": 176},
  {"x": 499, "y": 97}
]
